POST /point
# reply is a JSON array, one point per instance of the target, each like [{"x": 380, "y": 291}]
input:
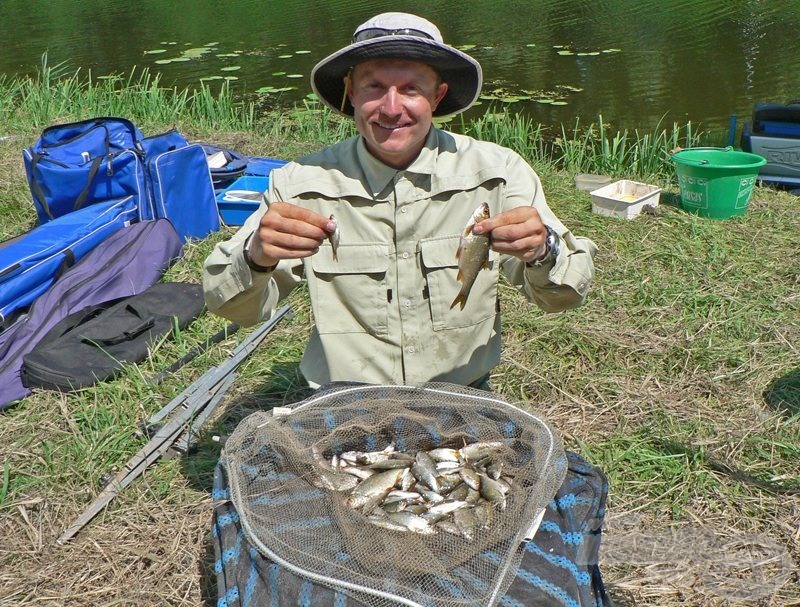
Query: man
[{"x": 397, "y": 198}]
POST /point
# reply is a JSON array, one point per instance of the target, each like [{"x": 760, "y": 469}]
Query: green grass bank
[{"x": 680, "y": 377}]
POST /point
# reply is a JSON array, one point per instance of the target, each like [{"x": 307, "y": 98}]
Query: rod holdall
[{"x": 94, "y": 343}]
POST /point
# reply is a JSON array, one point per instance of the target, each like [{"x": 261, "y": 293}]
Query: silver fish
[
  {"x": 445, "y": 489},
  {"x": 334, "y": 239},
  {"x": 377, "y": 485},
  {"x": 472, "y": 254}
]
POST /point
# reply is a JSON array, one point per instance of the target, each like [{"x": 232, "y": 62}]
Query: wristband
[{"x": 252, "y": 264}]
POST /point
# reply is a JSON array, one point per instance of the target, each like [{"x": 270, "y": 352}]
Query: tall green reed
[{"x": 596, "y": 149}]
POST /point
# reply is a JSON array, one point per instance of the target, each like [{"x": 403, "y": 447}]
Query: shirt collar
[{"x": 380, "y": 175}]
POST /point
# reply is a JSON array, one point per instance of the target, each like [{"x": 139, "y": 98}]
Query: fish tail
[{"x": 460, "y": 298}]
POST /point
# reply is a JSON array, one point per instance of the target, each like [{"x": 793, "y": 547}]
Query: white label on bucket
[
  {"x": 694, "y": 191},
  {"x": 745, "y": 189}
]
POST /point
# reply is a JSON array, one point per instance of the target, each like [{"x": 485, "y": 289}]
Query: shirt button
[
  {"x": 404, "y": 210},
  {"x": 407, "y": 303},
  {"x": 405, "y": 254},
  {"x": 411, "y": 349}
]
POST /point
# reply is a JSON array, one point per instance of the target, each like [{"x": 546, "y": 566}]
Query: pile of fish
[{"x": 442, "y": 489}]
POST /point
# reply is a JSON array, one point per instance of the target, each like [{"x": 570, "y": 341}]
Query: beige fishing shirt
[{"x": 382, "y": 311}]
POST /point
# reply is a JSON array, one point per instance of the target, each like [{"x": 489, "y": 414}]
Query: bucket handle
[{"x": 728, "y": 148}]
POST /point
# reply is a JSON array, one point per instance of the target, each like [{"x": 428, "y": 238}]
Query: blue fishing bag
[
  {"x": 179, "y": 182},
  {"x": 32, "y": 262},
  {"x": 126, "y": 263},
  {"x": 79, "y": 164}
]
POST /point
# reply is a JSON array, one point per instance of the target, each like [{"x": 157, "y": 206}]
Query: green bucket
[{"x": 716, "y": 182}]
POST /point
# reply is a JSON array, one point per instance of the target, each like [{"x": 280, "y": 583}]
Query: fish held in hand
[
  {"x": 333, "y": 238},
  {"x": 472, "y": 254}
]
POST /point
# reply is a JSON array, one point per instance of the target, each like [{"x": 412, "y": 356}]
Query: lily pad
[
  {"x": 285, "y": 56},
  {"x": 156, "y": 51},
  {"x": 302, "y": 52},
  {"x": 294, "y": 75},
  {"x": 278, "y": 73},
  {"x": 194, "y": 53},
  {"x": 230, "y": 68}
]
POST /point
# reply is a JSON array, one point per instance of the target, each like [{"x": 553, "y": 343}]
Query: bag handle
[
  {"x": 128, "y": 335},
  {"x": 36, "y": 188}
]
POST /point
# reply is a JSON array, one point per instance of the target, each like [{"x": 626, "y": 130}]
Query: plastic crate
[
  {"x": 241, "y": 199},
  {"x": 624, "y": 198}
]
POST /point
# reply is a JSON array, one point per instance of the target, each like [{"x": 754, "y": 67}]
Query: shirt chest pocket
[
  {"x": 349, "y": 295},
  {"x": 440, "y": 266}
]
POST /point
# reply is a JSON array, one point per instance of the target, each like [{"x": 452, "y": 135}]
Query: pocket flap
[
  {"x": 364, "y": 258},
  {"x": 440, "y": 252}
]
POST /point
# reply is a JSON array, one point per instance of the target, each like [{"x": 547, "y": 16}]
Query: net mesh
[{"x": 294, "y": 512}]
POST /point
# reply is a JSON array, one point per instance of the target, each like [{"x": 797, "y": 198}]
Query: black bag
[
  {"x": 93, "y": 344},
  {"x": 127, "y": 262}
]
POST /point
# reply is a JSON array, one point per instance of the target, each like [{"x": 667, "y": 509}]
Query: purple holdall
[{"x": 126, "y": 263}]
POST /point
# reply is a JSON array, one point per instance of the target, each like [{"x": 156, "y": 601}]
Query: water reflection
[{"x": 677, "y": 59}]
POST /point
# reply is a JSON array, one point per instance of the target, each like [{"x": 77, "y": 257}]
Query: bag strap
[
  {"x": 81, "y": 199},
  {"x": 37, "y": 189}
]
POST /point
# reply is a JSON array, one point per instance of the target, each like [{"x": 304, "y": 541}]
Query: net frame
[{"x": 290, "y": 520}]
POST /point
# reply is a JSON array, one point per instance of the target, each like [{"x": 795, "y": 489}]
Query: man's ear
[{"x": 440, "y": 95}]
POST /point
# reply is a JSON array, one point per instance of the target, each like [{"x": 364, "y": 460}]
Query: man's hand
[
  {"x": 287, "y": 231},
  {"x": 518, "y": 232}
]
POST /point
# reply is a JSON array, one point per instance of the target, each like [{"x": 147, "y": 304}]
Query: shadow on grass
[
  {"x": 286, "y": 386},
  {"x": 671, "y": 199},
  {"x": 783, "y": 393}
]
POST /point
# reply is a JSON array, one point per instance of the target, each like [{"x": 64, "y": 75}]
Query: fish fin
[
  {"x": 460, "y": 298},
  {"x": 460, "y": 276}
]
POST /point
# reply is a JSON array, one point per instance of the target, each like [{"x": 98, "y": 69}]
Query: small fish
[
  {"x": 377, "y": 485},
  {"x": 472, "y": 254},
  {"x": 334, "y": 238}
]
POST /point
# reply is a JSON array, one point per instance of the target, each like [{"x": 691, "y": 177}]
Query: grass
[{"x": 680, "y": 377}]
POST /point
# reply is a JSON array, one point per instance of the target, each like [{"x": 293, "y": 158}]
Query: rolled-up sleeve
[
  {"x": 234, "y": 291},
  {"x": 564, "y": 283}
]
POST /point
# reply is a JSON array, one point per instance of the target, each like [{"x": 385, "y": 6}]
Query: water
[{"x": 637, "y": 63}]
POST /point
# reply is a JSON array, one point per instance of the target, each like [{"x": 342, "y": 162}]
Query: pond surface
[{"x": 635, "y": 62}]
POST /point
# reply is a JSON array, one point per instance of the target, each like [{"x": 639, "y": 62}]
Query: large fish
[{"x": 472, "y": 254}]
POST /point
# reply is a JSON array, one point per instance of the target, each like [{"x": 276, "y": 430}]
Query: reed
[
  {"x": 56, "y": 95},
  {"x": 598, "y": 149}
]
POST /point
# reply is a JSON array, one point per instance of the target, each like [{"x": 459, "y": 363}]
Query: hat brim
[{"x": 461, "y": 72}]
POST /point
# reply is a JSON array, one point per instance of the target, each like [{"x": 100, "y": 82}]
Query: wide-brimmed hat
[{"x": 399, "y": 36}]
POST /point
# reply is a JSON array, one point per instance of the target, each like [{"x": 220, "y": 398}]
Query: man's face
[{"x": 394, "y": 101}]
